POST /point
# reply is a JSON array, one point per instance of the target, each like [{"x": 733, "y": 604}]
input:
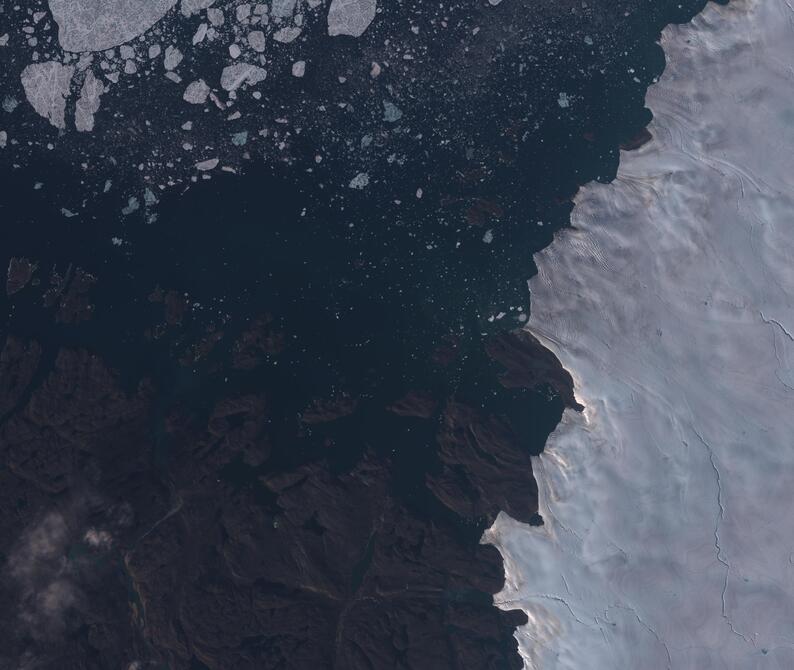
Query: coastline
[{"x": 664, "y": 502}]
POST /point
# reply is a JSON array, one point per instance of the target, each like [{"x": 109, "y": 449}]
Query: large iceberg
[{"x": 96, "y": 25}]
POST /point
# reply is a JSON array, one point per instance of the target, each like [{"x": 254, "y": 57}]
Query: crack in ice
[
  {"x": 651, "y": 630},
  {"x": 779, "y": 325},
  {"x": 717, "y": 543}
]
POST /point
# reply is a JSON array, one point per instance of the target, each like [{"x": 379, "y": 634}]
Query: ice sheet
[{"x": 669, "y": 530}]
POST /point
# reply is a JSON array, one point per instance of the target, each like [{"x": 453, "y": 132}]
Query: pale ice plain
[{"x": 669, "y": 531}]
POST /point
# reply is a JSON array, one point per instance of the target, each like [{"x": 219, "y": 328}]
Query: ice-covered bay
[{"x": 669, "y": 503}]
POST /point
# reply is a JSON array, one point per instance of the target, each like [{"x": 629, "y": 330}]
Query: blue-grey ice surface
[{"x": 669, "y": 531}]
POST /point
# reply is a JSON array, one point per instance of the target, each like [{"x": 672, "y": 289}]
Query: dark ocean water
[{"x": 362, "y": 292}]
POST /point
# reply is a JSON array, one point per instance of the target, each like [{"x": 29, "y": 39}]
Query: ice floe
[
  {"x": 234, "y": 76},
  {"x": 88, "y": 103},
  {"x": 350, "y": 17},
  {"x": 96, "y": 25},
  {"x": 46, "y": 88},
  {"x": 197, "y": 92}
]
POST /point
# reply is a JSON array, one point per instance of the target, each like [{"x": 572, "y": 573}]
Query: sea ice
[
  {"x": 234, "y": 76},
  {"x": 350, "y": 17},
  {"x": 196, "y": 92},
  {"x": 88, "y": 103},
  {"x": 46, "y": 88},
  {"x": 96, "y": 25}
]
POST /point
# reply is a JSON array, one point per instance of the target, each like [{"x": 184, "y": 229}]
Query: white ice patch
[
  {"x": 350, "y": 17},
  {"x": 46, "y": 88},
  {"x": 96, "y": 25},
  {"x": 669, "y": 536}
]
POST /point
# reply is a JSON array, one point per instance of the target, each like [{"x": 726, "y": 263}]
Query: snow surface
[{"x": 669, "y": 531}]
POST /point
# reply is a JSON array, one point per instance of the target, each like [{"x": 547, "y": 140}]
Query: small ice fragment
[
  {"x": 132, "y": 206},
  {"x": 256, "y": 40},
  {"x": 488, "y": 237},
  {"x": 286, "y": 35},
  {"x": 299, "y": 68},
  {"x": 350, "y": 17},
  {"x": 196, "y": 92},
  {"x": 200, "y": 34},
  {"x": 360, "y": 181},
  {"x": 173, "y": 57},
  {"x": 215, "y": 16},
  {"x": 391, "y": 112},
  {"x": 234, "y": 51},
  {"x": 10, "y": 103},
  {"x": 209, "y": 164},
  {"x": 243, "y": 12},
  {"x": 85, "y": 61},
  {"x": 563, "y": 100},
  {"x": 234, "y": 76},
  {"x": 190, "y": 7},
  {"x": 282, "y": 8}
]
